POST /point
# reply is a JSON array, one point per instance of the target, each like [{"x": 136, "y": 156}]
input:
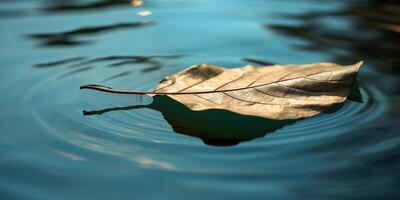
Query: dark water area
[{"x": 60, "y": 142}]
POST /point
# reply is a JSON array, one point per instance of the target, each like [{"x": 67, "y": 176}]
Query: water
[{"x": 58, "y": 142}]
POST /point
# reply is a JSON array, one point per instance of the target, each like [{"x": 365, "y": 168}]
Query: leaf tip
[{"x": 358, "y": 65}]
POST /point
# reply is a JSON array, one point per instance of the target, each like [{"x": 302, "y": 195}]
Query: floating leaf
[{"x": 275, "y": 92}]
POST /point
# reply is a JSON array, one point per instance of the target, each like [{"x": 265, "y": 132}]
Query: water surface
[{"x": 59, "y": 142}]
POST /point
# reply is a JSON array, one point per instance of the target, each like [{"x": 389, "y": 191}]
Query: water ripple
[{"x": 138, "y": 133}]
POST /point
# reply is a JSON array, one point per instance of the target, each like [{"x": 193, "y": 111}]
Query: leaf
[{"x": 275, "y": 92}]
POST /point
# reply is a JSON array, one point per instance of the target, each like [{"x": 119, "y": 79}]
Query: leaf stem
[
  {"x": 106, "y": 89},
  {"x": 110, "y": 90}
]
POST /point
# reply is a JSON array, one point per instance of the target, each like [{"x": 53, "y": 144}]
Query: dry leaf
[{"x": 275, "y": 92}]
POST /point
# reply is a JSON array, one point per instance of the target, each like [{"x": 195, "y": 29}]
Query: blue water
[{"x": 59, "y": 142}]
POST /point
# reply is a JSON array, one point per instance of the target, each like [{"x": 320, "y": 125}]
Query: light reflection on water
[{"x": 51, "y": 150}]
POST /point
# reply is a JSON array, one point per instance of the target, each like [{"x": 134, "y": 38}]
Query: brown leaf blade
[{"x": 276, "y": 92}]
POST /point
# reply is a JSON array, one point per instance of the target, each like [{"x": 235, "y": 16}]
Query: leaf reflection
[{"x": 214, "y": 127}]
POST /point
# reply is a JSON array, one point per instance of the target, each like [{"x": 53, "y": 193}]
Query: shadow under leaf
[{"x": 214, "y": 127}]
